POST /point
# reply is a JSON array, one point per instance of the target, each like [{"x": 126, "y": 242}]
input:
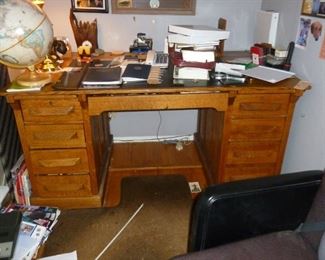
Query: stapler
[
  {"x": 229, "y": 68},
  {"x": 141, "y": 44},
  {"x": 229, "y": 73}
]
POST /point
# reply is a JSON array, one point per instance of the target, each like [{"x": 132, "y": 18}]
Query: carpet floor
[{"x": 158, "y": 231}]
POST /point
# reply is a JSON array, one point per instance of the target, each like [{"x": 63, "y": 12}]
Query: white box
[
  {"x": 199, "y": 31},
  {"x": 198, "y": 56},
  {"x": 266, "y": 27}
]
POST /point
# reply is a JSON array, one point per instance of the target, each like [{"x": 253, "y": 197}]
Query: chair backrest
[
  {"x": 316, "y": 214},
  {"x": 234, "y": 211},
  {"x": 222, "y": 24}
]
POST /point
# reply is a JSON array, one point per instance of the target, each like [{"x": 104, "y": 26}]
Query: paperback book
[{"x": 15, "y": 87}]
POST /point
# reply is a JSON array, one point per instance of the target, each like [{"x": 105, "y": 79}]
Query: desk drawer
[
  {"x": 51, "y": 110},
  {"x": 62, "y": 185},
  {"x": 72, "y": 161},
  {"x": 256, "y": 129},
  {"x": 241, "y": 172},
  {"x": 55, "y": 136},
  {"x": 252, "y": 152},
  {"x": 261, "y": 106}
]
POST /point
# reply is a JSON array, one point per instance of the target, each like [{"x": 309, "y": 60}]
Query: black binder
[
  {"x": 136, "y": 72},
  {"x": 98, "y": 76}
]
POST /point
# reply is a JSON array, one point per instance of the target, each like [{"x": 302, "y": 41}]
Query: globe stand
[{"x": 30, "y": 78}]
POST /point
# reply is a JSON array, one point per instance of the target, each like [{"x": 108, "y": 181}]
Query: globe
[{"x": 26, "y": 33}]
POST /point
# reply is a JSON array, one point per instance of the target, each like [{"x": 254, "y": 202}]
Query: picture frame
[
  {"x": 90, "y": 6},
  {"x": 154, "y": 7},
  {"x": 313, "y": 8}
]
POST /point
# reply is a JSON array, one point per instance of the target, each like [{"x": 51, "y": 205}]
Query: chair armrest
[{"x": 233, "y": 211}]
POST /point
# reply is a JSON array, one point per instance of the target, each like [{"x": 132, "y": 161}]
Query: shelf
[
  {"x": 149, "y": 159},
  {"x": 173, "y": 7},
  {"x": 153, "y": 156}
]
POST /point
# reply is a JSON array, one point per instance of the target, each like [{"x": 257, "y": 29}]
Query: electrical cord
[{"x": 171, "y": 140}]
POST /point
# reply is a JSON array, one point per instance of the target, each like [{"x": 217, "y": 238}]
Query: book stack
[
  {"x": 192, "y": 49},
  {"x": 20, "y": 182},
  {"x": 36, "y": 225}
]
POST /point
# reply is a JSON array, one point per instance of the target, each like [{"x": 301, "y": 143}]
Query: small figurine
[
  {"x": 59, "y": 49},
  {"x": 49, "y": 65},
  {"x": 84, "y": 51}
]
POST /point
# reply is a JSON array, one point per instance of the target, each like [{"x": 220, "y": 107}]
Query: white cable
[{"x": 121, "y": 230}]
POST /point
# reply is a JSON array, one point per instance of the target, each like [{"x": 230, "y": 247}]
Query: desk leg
[{"x": 113, "y": 190}]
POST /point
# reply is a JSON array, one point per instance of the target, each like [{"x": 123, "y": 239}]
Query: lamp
[{"x": 26, "y": 37}]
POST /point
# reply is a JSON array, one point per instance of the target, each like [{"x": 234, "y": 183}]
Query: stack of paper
[
  {"x": 200, "y": 37},
  {"x": 192, "y": 49},
  {"x": 37, "y": 223},
  {"x": 3, "y": 192}
]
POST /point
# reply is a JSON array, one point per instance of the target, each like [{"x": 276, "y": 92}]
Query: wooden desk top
[{"x": 169, "y": 86}]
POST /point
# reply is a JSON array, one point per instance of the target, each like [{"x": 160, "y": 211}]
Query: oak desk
[{"x": 241, "y": 133}]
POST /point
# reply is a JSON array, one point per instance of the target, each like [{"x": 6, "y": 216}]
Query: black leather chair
[{"x": 258, "y": 219}]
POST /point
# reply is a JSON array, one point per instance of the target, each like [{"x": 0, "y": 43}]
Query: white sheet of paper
[
  {"x": 268, "y": 74},
  {"x": 67, "y": 256},
  {"x": 3, "y": 192}
]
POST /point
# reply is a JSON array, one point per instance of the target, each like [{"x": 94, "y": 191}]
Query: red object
[
  {"x": 177, "y": 60},
  {"x": 258, "y": 55}
]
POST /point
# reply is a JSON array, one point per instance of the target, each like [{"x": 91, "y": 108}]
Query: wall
[
  {"x": 117, "y": 32},
  {"x": 306, "y": 145}
]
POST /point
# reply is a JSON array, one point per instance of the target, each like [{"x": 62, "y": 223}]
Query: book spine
[
  {"x": 18, "y": 185},
  {"x": 26, "y": 187}
]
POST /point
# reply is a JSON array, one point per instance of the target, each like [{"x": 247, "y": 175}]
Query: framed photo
[
  {"x": 94, "y": 6},
  {"x": 313, "y": 8}
]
